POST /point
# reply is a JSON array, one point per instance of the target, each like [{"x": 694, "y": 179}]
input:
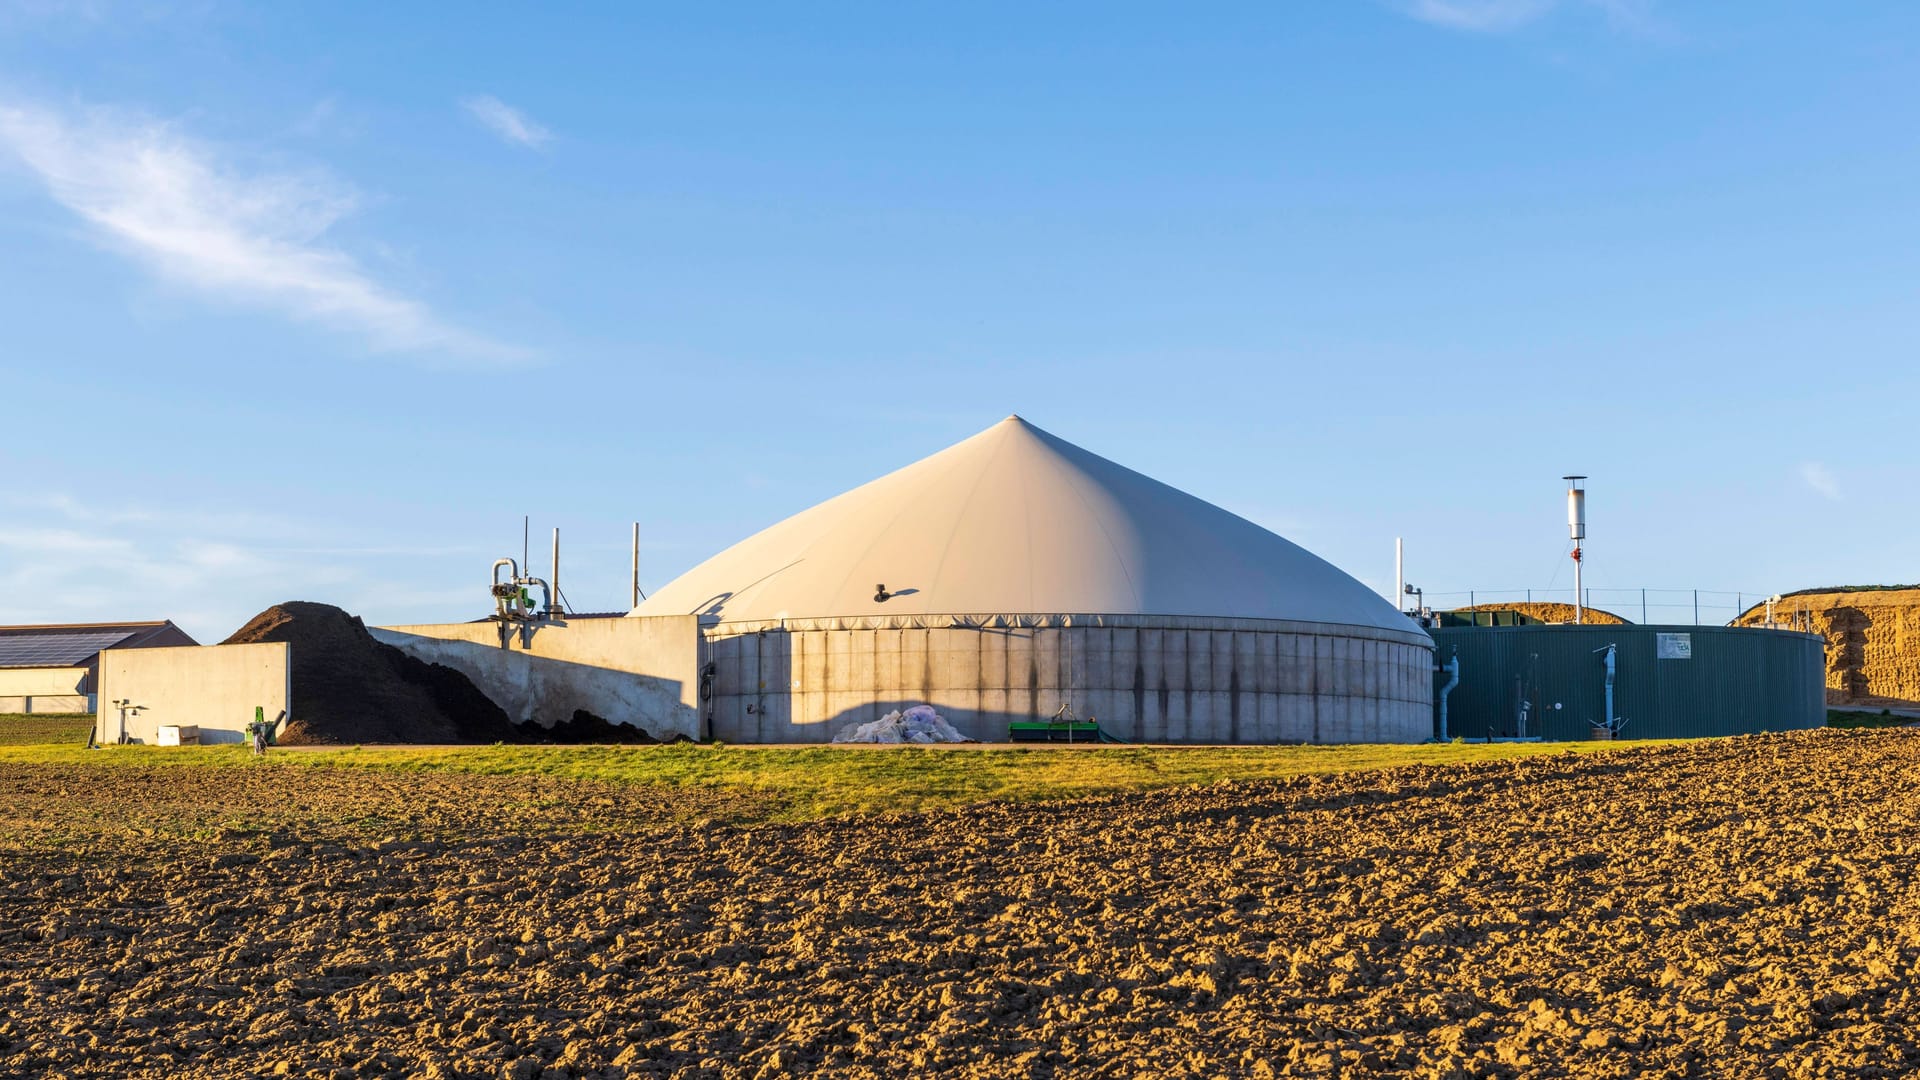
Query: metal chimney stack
[{"x": 1577, "y": 530}]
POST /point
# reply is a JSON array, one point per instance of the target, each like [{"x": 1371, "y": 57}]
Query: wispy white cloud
[
  {"x": 1483, "y": 16},
  {"x": 1500, "y": 16},
  {"x": 1821, "y": 480},
  {"x": 507, "y": 122},
  {"x": 63, "y": 559},
  {"x": 185, "y": 211}
]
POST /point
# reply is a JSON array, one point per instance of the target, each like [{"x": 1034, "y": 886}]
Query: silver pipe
[
  {"x": 1452, "y": 668},
  {"x": 634, "y": 600},
  {"x": 546, "y": 593},
  {"x": 556, "y": 568},
  {"x": 1399, "y": 573}
]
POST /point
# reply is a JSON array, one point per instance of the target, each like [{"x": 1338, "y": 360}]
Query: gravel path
[{"x": 1744, "y": 907}]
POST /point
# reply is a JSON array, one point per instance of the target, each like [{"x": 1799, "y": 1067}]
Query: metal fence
[{"x": 1698, "y": 607}]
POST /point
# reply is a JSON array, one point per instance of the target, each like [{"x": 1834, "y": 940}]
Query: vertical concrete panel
[
  {"x": 993, "y": 706},
  {"x": 1266, "y": 658},
  {"x": 812, "y": 669},
  {"x": 730, "y": 696},
  {"x": 1093, "y": 660},
  {"x": 1177, "y": 647},
  {"x": 783, "y": 662},
  {"x": 837, "y": 673},
  {"x": 1153, "y": 700},
  {"x": 1333, "y": 715},
  {"x": 1129, "y": 692},
  {"x": 764, "y": 689},
  {"x": 1104, "y": 706},
  {"x": 1022, "y": 673},
  {"x": 1246, "y": 666},
  {"x": 960, "y": 661},
  {"x": 913, "y": 663},
  {"x": 862, "y": 674},
  {"x": 1344, "y": 667},
  {"x": 1325, "y": 681},
  {"x": 1048, "y": 649},
  {"x": 993, "y": 658},
  {"x": 1303, "y": 673},
  {"x": 1229, "y": 683},
  {"x": 1218, "y": 673},
  {"x": 885, "y": 661},
  {"x": 1296, "y": 717},
  {"x": 961, "y": 708}
]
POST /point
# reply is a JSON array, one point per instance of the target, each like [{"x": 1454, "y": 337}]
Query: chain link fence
[{"x": 1696, "y": 607}]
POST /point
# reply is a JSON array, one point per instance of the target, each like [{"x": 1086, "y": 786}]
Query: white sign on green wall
[{"x": 1673, "y": 646}]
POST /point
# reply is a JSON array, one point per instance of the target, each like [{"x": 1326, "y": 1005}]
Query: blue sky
[{"x": 315, "y": 302}]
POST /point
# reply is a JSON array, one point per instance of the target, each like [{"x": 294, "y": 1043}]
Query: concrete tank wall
[{"x": 1144, "y": 679}]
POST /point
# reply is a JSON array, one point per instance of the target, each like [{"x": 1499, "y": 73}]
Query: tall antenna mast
[
  {"x": 634, "y": 600},
  {"x": 1577, "y": 530}
]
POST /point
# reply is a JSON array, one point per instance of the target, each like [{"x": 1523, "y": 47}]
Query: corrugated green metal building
[{"x": 1669, "y": 681}]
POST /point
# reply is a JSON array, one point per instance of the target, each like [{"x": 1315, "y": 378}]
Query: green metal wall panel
[{"x": 1739, "y": 680}]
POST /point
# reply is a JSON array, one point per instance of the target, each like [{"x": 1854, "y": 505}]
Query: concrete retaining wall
[
  {"x": 642, "y": 672},
  {"x": 1146, "y": 680},
  {"x": 215, "y": 687}
]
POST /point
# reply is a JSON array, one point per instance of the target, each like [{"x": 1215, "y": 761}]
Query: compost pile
[
  {"x": 350, "y": 689},
  {"x": 1732, "y": 907},
  {"x": 920, "y": 724}
]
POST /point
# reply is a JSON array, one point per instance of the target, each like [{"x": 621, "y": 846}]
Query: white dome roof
[{"x": 1016, "y": 521}]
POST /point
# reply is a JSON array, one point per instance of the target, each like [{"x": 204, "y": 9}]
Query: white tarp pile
[{"x": 919, "y": 724}]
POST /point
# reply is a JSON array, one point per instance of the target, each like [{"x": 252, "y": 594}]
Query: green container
[{"x": 1669, "y": 681}]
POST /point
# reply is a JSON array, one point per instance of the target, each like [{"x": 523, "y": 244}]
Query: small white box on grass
[{"x": 178, "y": 735}]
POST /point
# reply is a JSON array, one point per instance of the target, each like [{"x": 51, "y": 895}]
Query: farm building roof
[{"x": 74, "y": 644}]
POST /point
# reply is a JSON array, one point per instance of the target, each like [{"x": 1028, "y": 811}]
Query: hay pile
[
  {"x": 1873, "y": 640},
  {"x": 1551, "y": 612}
]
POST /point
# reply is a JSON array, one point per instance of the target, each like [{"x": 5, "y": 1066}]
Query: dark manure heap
[{"x": 349, "y": 688}]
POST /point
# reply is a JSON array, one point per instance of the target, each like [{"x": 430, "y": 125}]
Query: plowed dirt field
[{"x": 1743, "y": 907}]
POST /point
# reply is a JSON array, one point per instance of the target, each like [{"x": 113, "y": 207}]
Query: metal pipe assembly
[
  {"x": 1613, "y": 723},
  {"x": 557, "y": 606},
  {"x": 1452, "y": 668},
  {"x": 511, "y": 603}
]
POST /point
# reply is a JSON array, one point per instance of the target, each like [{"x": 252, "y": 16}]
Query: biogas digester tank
[
  {"x": 1014, "y": 573},
  {"x": 1669, "y": 681}
]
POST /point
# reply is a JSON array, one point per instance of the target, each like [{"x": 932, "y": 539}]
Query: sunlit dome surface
[{"x": 1017, "y": 521}]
